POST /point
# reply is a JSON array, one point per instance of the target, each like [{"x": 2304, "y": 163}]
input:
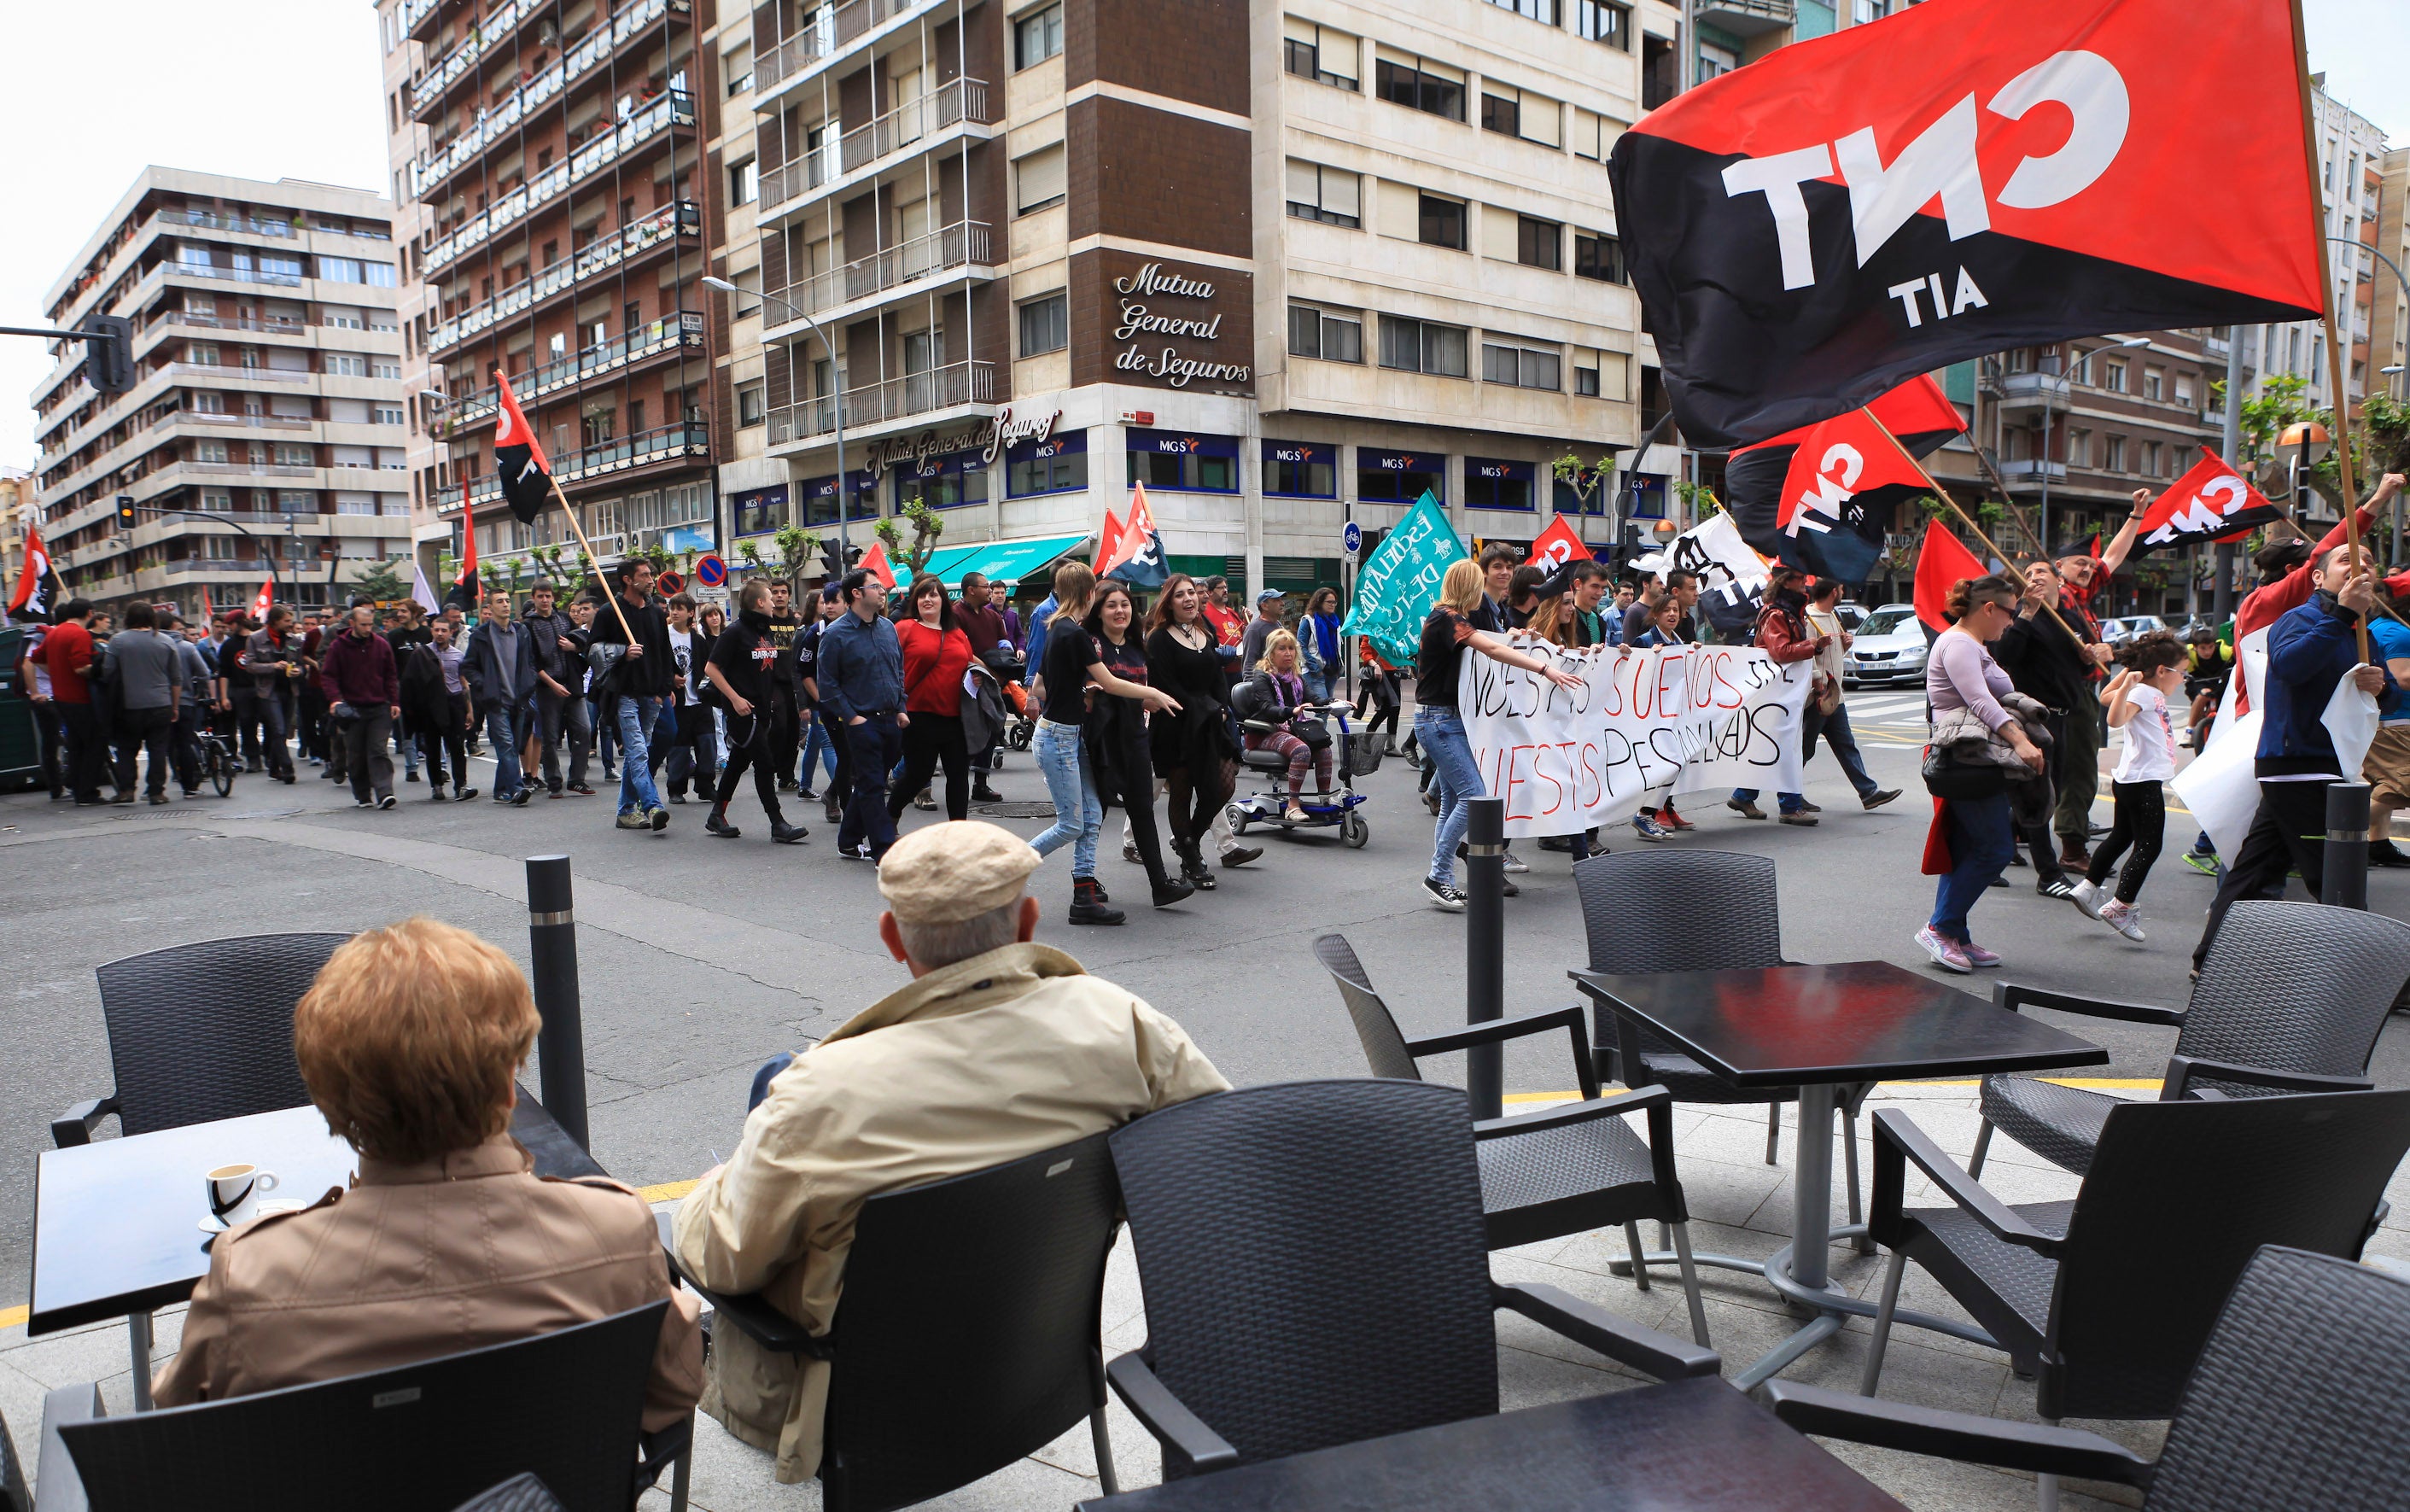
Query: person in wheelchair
[{"x": 1277, "y": 697}]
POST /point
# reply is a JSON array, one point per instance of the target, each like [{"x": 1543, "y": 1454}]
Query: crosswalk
[{"x": 1887, "y": 709}]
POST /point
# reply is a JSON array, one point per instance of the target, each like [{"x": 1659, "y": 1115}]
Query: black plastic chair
[
  {"x": 1316, "y": 1273},
  {"x": 201, "y": 1032},
  {"x": 971, "y": 1329},
  {"x": 2290, "y": 999},
  {"x": 1566, "y": 1171},
  {"x": 2107, "y": 1300},
  {"x": 565, "y": 1405},
  {"x": 2301, "y": 1398},
  {"x": 520, "y": 1493}
]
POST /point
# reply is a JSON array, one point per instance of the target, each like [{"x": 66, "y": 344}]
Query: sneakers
[
  {"x": 462, "y": 794},
  {"x": 2056, "y": 887},
  {"x": 436, "y": 793},
  {"x": 1443, "y": 894},
  {"x": 581, "y": 790},
  {"x": 1649, "y": 829},
  {"x": 924, "y": 799},
  {"x": 1802, "y": 817},
  {"x": 2205, "y": 864},
  {"x": 716, "y": 824},
  {"x": 1744, "y": 807},
  {"x": 1876, "y": 800},
  {"x": 1947, "y": 954},
  {"x": 520, "y": 800},
  {"x": 857, "y": 853},
  {"x": 2386, "y": 854},
  {"x": 1672, "y": 820},
  {"x": 2087, "y": 898},
  {"x": 656, "y": 816},
  {"x": 1516, "y": 863},
  {"x": 806, "y": 796},
  {"x": 411, "y": 776},
  {"x": 632, "y": 820},
  {"x": 1980, "y": 956},
  {"x": 384, "y": 801},
  {"x": 2124, "y": 918}
]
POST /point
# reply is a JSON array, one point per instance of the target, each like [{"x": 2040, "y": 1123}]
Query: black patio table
[
  {"x": 1689, "y": 1446},
  {"x": 117, "y": 1222},
  {"x": 1827, "y": 1030}
]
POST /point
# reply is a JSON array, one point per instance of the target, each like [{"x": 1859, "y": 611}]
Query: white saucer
[{"x": 265, "y": 1208}]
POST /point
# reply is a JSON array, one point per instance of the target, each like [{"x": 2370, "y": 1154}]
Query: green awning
[{"x": 1007, "y": 561}]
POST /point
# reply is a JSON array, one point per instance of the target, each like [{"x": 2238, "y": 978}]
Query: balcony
[
  {"x": 675, "y": 109},
  {"x": 685, "y": 330},
  {"x": 532, "y": 94},
  {"x": 827, "y": 32},
  {"x": 2022, "y": 390},
  {"x": 427, "y": 87},
  {"x": 962, "y": 245},
  {"x": 415, "y": 11},
  {"x": 257, "y": 422},
  {"x": 788, "y": 179},
  {"x": 913, "y": 125},
  {"x": 2032, "y": 472},
  {"x": 664, "y": 443},
  {"x": 264, "y": 325},
  {"x": 234, "y": 275},
  {"x": 874, "y": 405},
  {"x": 1748, "y": 17},
  {"x": 209, "y": 220},
  {"x": 682, "y": 219}
]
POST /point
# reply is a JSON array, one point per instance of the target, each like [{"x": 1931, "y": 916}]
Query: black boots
[
  {"x": 1087, "y": 903},
  {"x": 1193, "y": 869},
  {"x": 786, "y": 834},
  {"x": 717, "y": 824},
  {"x": 1170, "y": 891}
]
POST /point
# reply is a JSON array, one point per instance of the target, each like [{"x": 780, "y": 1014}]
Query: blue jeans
[
  {"x": 877, "y": 745},
  {"x": 636, "y": 717},
  {"x": 1439, "y": 731},
  {"x": 1079, "y": 815},
  {"x": 502, "y": 731},
  {"x": 767, "y": 1074},
  {"x": 1317, "y": 685},
  {"x": 1789, "y": 801},
  {"x": 819, "y": 750},
  {"x": 1982, "y": 836}
]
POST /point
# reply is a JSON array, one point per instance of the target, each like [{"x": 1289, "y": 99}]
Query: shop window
[
  {"x": 1399, "y": 478},
  {"x": 1180, "y": 461},
  {"x": 1301, "y": 469}
]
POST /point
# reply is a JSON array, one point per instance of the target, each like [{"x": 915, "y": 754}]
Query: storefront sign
[
  {"x": 988, "y": 437},
  {"x": 1147, "y": 323}
]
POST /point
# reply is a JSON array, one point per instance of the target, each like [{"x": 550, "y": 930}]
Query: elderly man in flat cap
[{"x": 1000, "y": 1048}]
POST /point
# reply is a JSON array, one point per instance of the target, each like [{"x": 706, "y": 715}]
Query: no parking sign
[{"x": 710, "y": 570}]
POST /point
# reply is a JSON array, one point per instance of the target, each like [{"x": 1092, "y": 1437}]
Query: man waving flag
[
  {"x": 37, "y": 584},
  {"x": 1965, "y": 176},
  {"x": 518, "y": 457}
]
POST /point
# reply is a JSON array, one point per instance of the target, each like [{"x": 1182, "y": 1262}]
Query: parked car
[
  {"x": 1889, "y": 647},
  {"x": 1850, "y": 614},
  {"x": 2126, "y": 627}
]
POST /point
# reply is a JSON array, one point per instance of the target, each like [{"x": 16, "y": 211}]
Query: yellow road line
[
  {"x": 666, "y": 1191},
  {"x": 11, "y": 1316}
]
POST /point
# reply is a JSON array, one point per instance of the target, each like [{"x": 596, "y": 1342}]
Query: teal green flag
[{"x": 1398, "y": 586}]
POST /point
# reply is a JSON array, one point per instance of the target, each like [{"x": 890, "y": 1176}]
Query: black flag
[{"x": 527, "y": 477}]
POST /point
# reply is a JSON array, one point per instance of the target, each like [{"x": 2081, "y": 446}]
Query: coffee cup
[{"x": 234, "y": 1192}]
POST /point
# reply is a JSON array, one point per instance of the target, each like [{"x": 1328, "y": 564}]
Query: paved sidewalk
[{"x": 1740, "y": 1205}]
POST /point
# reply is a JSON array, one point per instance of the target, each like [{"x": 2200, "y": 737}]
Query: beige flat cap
[{"x": 946, "y": 873}]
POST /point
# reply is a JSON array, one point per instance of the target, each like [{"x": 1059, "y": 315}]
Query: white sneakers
[
  {"x": 2089, "y": 897},
  {"x": 2101, "y": 903}
]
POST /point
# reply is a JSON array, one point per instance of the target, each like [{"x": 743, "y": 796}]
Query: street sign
[
  {"x": 670, "y": 583},
  {"x": 1351, "y": 538},
  {"x": 710, "y": 570}
]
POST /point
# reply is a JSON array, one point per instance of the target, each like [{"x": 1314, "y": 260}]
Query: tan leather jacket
[
  {"x": 417, "y": 1261},
  {"x": 981, "y": 1062}
]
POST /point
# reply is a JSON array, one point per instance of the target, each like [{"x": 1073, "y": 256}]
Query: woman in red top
[{"x": 936, "y": 658}]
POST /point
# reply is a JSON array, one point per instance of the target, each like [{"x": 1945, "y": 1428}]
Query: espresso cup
[{"x": 233, "y": 1191}]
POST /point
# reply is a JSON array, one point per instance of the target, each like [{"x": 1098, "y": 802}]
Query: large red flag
[
  {"x": 2210, "y": 503},
  {"x": 518, "y": 457},
  {"x": 1961, "y": 177},
  {"x": 1558, "y": 547},
  {"x": 263, "y": 601},
  {"x": 1110, "y": 539},
  {"x": 874, "y": 561},
  {"x": 1137, "y": 557},
  {"x": 465, "y": 591},
  {"x": 1940, "y": 562},
  {"x": 1760, "y": 481},
  {"x": 37, "y": 593}
]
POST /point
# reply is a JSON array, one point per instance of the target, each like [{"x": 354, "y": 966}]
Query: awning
[{"x": 1007, "y": 561}]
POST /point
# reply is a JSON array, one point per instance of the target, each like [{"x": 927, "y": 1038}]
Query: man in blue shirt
[{"x": 861, "y": 678}]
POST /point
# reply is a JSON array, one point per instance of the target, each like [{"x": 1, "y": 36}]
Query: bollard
[
  {"x": 552, "y": 951},
  {"x": 1485, "y": 950},
  {"x": 2346, "y": 867}
]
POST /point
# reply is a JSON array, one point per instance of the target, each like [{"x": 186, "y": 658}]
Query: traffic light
[
  {"x": 108, "y": 354},
  {"x": 126, "y": 512}
]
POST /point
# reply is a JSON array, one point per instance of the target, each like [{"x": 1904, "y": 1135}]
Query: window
[
  {"x": 1495, "y": 485},
  {"x": 744, "y": 182},
  {"x": 1539, "y": 243},
  {"x": 1058, "y": 464},
  {"x": 348, "y": 505},
  {"x": 736, "y": 67},
  {"x": 1600, "y": 22},
  {"x": 1399, "y": 478},
  {"x": 1037, "y": 36},
  {"x": 1331, "y": 196},
  {"x": 1586, "y": 381},
  {"x": 205, "y": 354},
  {"x": 1331, "y": 335},
  {"x": 1421, "y": 346},
  {"x": 1715, "y": 61},
  {"x": 760, "y": 510},
  {"x": 1502, "y": 115},
  {"x": 380, "y": 275},
  {"x": 1046, "y": 323},
  {"x": 1598, "y": 256},
  {"x": 1173, "y": 460},
  {"x": 2115, "y": 459},
  {"x": 749, "y": 408},
  {"x": 2184, "y": 389},
  {"x": 386, "y": 414},
  {"x": 1038, "y": 179},
  {"x": 1319, "y": 53},
  {"x": 1518, "y": 113},
  {"x": 1440, "y": 222},
  {"x": 385, "y": 370},
  {"x": 1423, "y": 86},
  {"x": 2155, "y": 382},
  {"x": 210, "y": 451},
  {"x": 2112, "y": 377},
  {"x": 346, "y": 365},
  {"x": 1301, "y": 469},
  {"x": 217, "y": 502},
  {"x": 1520, "y": 367},
  {"x": 2151, "y": 455},
  {"x": 293, "y": 502},
  {"x": 1543, "y": 11},
  {"x": 942, "y": 481}
]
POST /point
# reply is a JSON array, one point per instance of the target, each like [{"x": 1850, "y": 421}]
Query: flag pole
[
  {"x": 587, "y": 547},
  {"x": 1930, "y": 482},
  {"x": 2341, "y": 434}
]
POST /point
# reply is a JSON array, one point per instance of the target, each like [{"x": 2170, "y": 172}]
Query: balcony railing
[
  {"x": 503, "y": 118},
  {"x": 2030, "y": 471},
  {"x": 212, "y": 417},
  {"x": 272, "y": 469},
  {"x": 1748, "y": 17},
  {"x": 961, "y": 244},
  {"x": 415, "y": 12},
  {"x": 673, "y": 109},
  {"x": 214, "y": 222},
  {"x": 442, "y": 74},
  {"x": 2023, "y": 389},
  {"x": 660, "y": 444},
  {"x": 220, "y": 372},
  {"x": 788, "y": 179},
  {"x": 684, "y": 218},
  {"x": 825, "y": 30},
  {"x": 685, "y": 330},
  {"x": 919, "y": 393},
  {"x": 965, "y": 99},
  {"x": 235, "y": 275},
  {"x": 268, "y": 324}
]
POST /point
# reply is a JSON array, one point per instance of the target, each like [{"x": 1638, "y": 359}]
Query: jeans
[
  {"x": 605, "y": 725},
  {"x": 877, "y": 745},
  {"x": 1980, "y": 843},
  {"x": 140, "y": 730},
  {"x": 1079, "y": 815},
  {"x": 769, "y": 1069},
  {"x": 269, "y": 706},
  {"x": 1835, "y": 728},
  {"x": 1317, "y": 685},
  {"x": 690, "y": 748},
  {"x": 819, "y": 754},
  {"x": 501, "y": 733},
  {"x": 573, "y": 717},
  {"x": 634, "y": 718},
  {"x": 1441, "y": 731},
  {"x": 365, "y": 739}
]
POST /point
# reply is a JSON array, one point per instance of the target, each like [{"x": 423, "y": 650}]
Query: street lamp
[
  {"x": 837, "y": 381},
  {"x": 2081, "y": 363}
]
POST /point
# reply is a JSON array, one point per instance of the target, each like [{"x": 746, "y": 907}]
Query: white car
[
  {"x": 2116, "y": 632},
  {"x": 1889, "y": 647}
]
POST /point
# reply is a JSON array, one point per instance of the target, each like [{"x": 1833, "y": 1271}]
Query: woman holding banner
[
  {"x": 1973, "y": 827},
  {"x": 1439, "y": 726}
]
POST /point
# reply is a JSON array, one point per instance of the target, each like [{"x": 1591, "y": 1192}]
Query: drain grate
[{"x": 1014, "y": 810}]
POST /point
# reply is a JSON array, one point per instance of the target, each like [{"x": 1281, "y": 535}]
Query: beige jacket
[
  {"x": 419, "y": 1261},
  {"x": 982, "y": 1062}
]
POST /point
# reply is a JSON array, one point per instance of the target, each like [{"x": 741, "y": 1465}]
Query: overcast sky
[{"x": 102, "y": 88}]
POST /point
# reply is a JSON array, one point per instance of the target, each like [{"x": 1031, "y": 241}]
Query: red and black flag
[
  {"x": 2211, "y": 503},
  {"x": 518, "y": 457},
  {"x": 38, "y": 590},
  {"x": 1822, "y": 497},
  {"x": 1966, "y": 176},
  {"x": 463, "y": 594}
]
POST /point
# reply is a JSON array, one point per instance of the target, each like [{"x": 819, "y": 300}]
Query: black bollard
[
  {"x": 2346, "y": 879},
  {"x": 552, "y": 950},
  {"x": 1485, "y": 950}
]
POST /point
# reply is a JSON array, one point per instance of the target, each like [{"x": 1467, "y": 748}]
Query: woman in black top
[
  {"x": 1115, "y": 735},
  {"x": 1194, "y": 752},
  {"x": 742, "y": 663}
]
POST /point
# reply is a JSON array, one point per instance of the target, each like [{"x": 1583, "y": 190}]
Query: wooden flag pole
[{"x": 588, "y": 547}]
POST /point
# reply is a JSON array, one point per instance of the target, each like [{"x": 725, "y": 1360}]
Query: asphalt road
[{"x": 701, "y": 956}]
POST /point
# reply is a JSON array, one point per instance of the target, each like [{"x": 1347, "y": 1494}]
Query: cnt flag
[
  {"x": 39, "y": 592},
  {"x": 1558, "y": 547},
  {"x": 2210, "y": 503},
  {"x": 464, "y": 592},
  {"x": 1962, "y": 177},
  {"x": 1822, "y": 498},
  {"x": 519, "y": 458},
  {"x": 1137, "y": 556},
  {"x": 263, "y": 601},
  {"x": 1941, "y": 562}
]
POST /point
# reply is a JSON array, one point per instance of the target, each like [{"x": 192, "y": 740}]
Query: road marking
[
  {"x": 13, "y": 1317},
  {"x": 667, "y": 1191}
]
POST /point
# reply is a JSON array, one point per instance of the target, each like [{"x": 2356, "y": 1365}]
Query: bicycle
[{"x": 219, "y": 762}]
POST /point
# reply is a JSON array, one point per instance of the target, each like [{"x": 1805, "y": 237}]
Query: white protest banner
[{"x": 1672, "y": 718}]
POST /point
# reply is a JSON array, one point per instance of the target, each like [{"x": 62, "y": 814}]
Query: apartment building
[
  {"x": 19, "y": 506},
  {"x": 2388, "y": 232},
  {"x": 264, "y": 434},
  {"x": 566, "y": 170},
  {"x": 1287, "y": 265}
]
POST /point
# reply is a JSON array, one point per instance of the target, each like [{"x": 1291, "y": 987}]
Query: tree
[
  {"x": 1585, "y": 479},
  {"x": 796, "y": 546},
  {"x": 926, "y": 528},
  {"x": 384, "y": 582}
]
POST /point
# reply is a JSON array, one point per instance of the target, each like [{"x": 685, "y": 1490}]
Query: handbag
[{"x": 1946, "y": 777}]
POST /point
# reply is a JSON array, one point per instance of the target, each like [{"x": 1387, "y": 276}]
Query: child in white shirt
[{"x": 2137, "y": 699}]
